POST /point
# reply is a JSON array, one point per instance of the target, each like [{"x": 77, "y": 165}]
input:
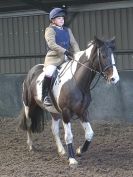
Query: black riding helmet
[{"x": 57, "y": 12}]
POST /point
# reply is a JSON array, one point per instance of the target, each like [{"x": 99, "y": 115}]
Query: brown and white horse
[{"x": 70, "y": 94}]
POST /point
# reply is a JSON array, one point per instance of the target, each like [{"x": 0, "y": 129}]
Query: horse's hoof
[
  {"x": 78, "y": 151},
  {"x": 62, "y": 153},
  {"x": 32, "y": 148},
  {"x": 73, "y": 163}
]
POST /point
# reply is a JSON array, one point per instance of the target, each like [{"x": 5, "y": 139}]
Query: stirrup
[{"x": 47, "y": 101}]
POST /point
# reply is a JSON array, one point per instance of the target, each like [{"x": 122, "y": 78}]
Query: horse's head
[{"x": 106, "y": 61}]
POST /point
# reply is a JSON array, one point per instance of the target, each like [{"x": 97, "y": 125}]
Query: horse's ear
[
  {"x": 112, "y": 43},
  {"x": 112, "y": 40},
  {"x": 98, "y": 41},
  {"x": 95, "y": 37}
]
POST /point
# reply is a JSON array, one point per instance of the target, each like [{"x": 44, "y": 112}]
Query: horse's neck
[
  {"x": 84, "y": 74},
  {"x": 84, "y": 77}
]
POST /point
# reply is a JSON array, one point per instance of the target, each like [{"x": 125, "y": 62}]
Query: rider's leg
[
  {"x": 49, "y": 70},
  {"x": 45, "y": 89}
]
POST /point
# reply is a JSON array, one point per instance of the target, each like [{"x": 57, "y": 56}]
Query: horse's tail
[
  {"x": 22, "y": 120},
  {"x": 37, "y": 119},
  {"x": 34, "y": 119}
]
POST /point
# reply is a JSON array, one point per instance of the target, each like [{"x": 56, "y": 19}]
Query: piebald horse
[{"x": 70, "y": 94}]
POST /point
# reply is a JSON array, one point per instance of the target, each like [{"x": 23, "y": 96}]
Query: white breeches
[{"x": 49, "y": 70}]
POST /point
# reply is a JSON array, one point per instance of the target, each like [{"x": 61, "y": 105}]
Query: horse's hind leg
[
  {"x": 55, "y": 131},
  {"x": 88, "y": 137},
  {"x": 28, "y": 124}
]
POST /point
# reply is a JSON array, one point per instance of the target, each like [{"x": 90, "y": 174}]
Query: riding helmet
[{"x": 57, "y": 12}]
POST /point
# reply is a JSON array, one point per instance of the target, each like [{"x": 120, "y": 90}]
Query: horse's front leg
[
  {"x": 88, "y": 138},
  {"x": 55, "y": 131},
  {"x": 69, "y": 144},
  {"x": 69, "y": 138}
]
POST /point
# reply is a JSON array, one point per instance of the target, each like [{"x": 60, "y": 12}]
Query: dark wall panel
[
  {"x": 106, "y": 24},
  {"x": 22, "y": 42}
]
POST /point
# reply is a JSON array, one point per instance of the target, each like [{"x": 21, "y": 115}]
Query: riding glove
[{"x": 69, "y": 54}]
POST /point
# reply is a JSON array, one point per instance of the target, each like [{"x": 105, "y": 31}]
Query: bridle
[{"x": 103, "y": 70}]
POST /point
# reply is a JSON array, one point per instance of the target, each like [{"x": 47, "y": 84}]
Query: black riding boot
[{"x": 45, "y": 89}]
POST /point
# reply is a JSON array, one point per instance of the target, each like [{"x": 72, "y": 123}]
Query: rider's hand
[{"x": 69, "y": 54}]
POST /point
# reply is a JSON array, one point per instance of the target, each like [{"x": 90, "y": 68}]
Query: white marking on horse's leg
[
  {"x": 55, "y": 131},
  {"x": 69, "y": 141},
  {"x": 28, "y": 123},
  {"x": 88, "y": 137},
  {"x": 88, "y": 131},
  {"x": 28, "y": 120},
  {"x": 26, "y": 108},
  {"x": 68, "y": 133},
  {"x": 29, "y": 140}
]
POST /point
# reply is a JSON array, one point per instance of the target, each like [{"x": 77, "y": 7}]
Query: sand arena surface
[{"x": 110, "y": 154}]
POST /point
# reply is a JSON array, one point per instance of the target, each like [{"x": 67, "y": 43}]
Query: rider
[{"x": 61, "y": 46}]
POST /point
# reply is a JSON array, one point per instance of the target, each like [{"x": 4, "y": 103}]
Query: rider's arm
[{"x": 50, "y": 39}]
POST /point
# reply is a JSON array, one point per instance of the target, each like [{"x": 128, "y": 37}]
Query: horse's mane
[
  {"x": 90, "y": 42},
  {"x": 94, "y": 40}
]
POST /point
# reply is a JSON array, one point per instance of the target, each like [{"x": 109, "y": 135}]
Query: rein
[{"x": 92, "y": 70}]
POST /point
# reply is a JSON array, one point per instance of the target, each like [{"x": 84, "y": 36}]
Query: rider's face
[{"x": 59, "y": 21}]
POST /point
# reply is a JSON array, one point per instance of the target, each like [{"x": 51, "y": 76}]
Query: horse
[{"x": 70, "y": 94}]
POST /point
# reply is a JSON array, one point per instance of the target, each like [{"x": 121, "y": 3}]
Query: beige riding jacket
[{"x": 55, "y": 56}]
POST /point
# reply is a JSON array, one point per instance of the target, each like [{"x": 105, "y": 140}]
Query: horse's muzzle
[{"x": 114, "y": 80}]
